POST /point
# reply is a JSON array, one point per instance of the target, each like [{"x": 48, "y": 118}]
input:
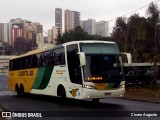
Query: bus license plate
[{"x": 107, "y": 93}]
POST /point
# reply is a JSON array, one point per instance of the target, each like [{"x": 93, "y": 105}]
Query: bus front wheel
[{"x": 61, "y": 92}]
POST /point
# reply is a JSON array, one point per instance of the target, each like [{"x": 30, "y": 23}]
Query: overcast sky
[{"x": 43, "y": 11}]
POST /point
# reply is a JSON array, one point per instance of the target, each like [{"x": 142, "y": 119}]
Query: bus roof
[
  {"x": 45, "y": 48},
  {"x": 88, "y": 41},
  {"x": 50, "y": 47}
]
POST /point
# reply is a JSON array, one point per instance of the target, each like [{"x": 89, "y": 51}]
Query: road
[{"x": 74, "y": 109}]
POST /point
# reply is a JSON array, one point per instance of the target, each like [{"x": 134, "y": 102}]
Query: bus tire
[
  {"x": 61, "y": 92},
  {"x": 21, "y": 91}
]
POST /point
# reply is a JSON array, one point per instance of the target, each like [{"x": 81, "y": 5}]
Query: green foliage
[
  {"x": 22, "y": 45},
  {"x": 79, "y": 34},
  {"x": 139, "y": 35}
]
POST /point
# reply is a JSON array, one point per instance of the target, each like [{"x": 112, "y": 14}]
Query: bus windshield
[
  {"x": 99, "y": 48},
  {"x": 103, "y": 63}
]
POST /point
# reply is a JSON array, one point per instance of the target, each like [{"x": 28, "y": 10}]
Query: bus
[
  {"x": 138, "y": 73},
  {"x": 4, "y": 63},
  {"x": 78, "y": 69}
]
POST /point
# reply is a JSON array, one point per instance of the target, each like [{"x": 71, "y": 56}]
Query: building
[
  {"x": 4, "y": 32},
  {"x": 58, "y": 19},
  {"x": 89, "y": 26},
  {"x": 15, "y": 33},
  {"x": 52, "y": 34},
  {"x": 34, "y": 32},
  {"x": 25, "y": 29},
  {"x": 1, "y": 32},
  {"x": 28, "y": 30},
  {"x": 15, "y": 30},
  {"x": 39, "y": 34},
  {"x": 72, "y": 19},
  {"x": 40, "y": 40},
  {"x": 102, "y": 28}
]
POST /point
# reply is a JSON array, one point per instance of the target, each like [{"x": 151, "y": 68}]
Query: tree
[
  {"x": 22, "y": 45},
  {"x": 9, "y": 50},
  {"x": 137, "y": 35},
  {"x": 120, "y": 34},
  {"x": 19, "y": 45},
  {"x": 153, "y": 18},
  {"x": 74, "y": 35},
  {"x": 133, "y": 35}
]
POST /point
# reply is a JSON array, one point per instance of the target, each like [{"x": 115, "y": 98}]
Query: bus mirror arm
[{"x": 82, "y": 58}]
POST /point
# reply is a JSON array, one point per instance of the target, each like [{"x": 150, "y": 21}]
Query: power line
[
  {"x": 45, "y": 32},
  {"x": 122, "y": 15}
]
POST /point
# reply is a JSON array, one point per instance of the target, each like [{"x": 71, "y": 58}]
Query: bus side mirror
[{"x": 82, "y": 58}]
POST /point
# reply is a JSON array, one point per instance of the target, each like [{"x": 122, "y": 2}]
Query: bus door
[{"x": 75, "y": 87}]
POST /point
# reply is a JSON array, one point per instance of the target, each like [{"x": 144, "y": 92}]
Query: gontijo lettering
[{"x": 26, "y": 73}]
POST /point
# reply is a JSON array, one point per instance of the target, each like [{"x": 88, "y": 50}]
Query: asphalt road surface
[{"x": 53, "y": 108}]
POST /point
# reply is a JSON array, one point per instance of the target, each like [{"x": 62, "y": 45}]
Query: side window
[
  {"x": 34, "y": 61},
  {"x": 73, "y": 64},
  {"x": 59, "y": 56},
  {"x": 17, "y": 64},
  {"x": 40, "y": 60},
  {"x": 28, "y": 62},
  {"x": 48, "y": 58},
  {"x": 23, "y": 63}
]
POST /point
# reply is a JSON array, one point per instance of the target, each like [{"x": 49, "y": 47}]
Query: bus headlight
[{"x": 89, "y": 86}]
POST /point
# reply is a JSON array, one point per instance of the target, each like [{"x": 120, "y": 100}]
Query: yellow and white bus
[{"x": 77, "y": 69}]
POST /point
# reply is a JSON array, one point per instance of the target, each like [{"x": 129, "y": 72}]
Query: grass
[{"x": 143, "y": 93}]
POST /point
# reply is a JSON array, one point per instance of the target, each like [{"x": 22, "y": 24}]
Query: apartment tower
[
  {"x": 58, "y": 19},
  {"x": 72, "y": 19}
]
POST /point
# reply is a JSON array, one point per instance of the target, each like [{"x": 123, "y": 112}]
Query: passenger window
[
  {"x": 48, "y": 58},
  {"x": 40, "y": 60},
  {"x": 34, "y": 61},
  {"x": 59, "y": 56}
]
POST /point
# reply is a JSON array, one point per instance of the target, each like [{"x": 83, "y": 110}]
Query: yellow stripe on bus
[{"x": 26, "y": 77}]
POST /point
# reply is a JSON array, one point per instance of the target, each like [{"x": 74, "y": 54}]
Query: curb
[{"x": 156, "y": 102}]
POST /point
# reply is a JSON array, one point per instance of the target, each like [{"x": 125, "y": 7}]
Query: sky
[{"x": 43, "y": 11}]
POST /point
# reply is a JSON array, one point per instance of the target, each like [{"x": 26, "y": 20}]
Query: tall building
[
  {"x": 102, "y": 28},
  {"x": 89, "y": 26},
  {"x": 15, "y": 29},
  {"x": 34, "y": 32},
  {"x": 52, "y": 34},
  {"x": 1, "y": 32},
  {"x": 15, "y": 33},
  {"x": 39, "y": 34},
  {"x": 72, "y": 19},
  {"x": 4, "y": 32},
  {"x": 28, "y": 30},
  {"x": 58, "y": 19}
]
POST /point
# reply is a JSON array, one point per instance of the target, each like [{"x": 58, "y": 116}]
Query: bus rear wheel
[{"x": 20, "y": 91}]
